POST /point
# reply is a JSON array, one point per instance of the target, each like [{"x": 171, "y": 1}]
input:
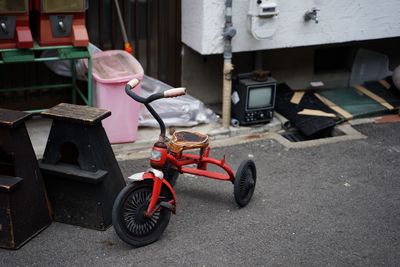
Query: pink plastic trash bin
[{"x": 111, "y": 71}]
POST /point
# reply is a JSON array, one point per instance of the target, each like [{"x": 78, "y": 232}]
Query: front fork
[
  {"x": 158, "y": 181},
  {"x": 157, "y": 184}
]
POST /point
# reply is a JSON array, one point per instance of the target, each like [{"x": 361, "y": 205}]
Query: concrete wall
[
  {"x": 202, "y": 74},
  {"x": 339, "y": 21}
]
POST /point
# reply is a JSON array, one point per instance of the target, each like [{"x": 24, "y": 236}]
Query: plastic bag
[
  {"x": 179, "y": 111},
  {"x": 63, "y": 67},
  {"x": 369, "y": 66}
]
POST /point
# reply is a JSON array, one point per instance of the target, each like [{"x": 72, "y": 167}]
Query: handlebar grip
[
  {"x": 132, "y": 83},
  {"x": 175, "y": 92}
]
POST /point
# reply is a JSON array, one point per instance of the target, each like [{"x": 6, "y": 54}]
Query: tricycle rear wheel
[{"x": 245, "y": 182}]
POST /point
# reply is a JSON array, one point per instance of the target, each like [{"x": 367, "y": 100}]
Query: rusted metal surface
[
  {"x": 184, "y": 140},
  {"x": 252, "y": 136}
]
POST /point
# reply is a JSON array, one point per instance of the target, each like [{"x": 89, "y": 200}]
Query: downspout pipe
[{"x": 228, "y": 33}]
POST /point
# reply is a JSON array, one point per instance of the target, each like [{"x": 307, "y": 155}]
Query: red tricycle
[{"x": 142, "y": 210}]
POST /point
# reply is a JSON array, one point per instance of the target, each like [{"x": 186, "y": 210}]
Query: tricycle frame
[
  {"x": 142, "y": 210},
  {"x": 180, "y": 161}
]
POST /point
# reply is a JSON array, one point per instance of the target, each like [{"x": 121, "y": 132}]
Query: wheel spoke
[{"x": 133, "y": 213}]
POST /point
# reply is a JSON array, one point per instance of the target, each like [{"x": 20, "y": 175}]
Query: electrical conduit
[{"x": 228, "y": 34}]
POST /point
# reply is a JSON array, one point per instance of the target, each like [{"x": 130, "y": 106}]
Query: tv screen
[
  {"x": 61, "y": 6},
  {"x": 14, "y": 6},
  {"x": 259, "y": 97}
]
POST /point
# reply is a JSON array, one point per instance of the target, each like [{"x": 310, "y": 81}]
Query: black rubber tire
[
  {"x": 171, "y": 175},
  {"x": 245, "y": 182},
  {"x": 134, "y": 228}
]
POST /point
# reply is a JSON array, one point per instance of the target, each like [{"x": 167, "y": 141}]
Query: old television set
[
  {"x": 14, "y": 24},
  {"x": 253, "y": 98}
]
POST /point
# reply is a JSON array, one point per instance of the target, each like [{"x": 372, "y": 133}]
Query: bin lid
[{"x": 116, "y": 66}]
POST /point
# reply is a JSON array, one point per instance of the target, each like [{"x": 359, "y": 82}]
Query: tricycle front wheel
[
  {"x": 245, "y": 182},
  {"x": 128, "y": 214}
]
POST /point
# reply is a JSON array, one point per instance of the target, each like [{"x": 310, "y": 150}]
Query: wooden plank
[
  {"x": 297, "y": 97},
  {"x": 76, "y": 113},
  {"x": 334, "y": 107},
  {"x": 315, "y": 112},
  {"x": 9, "y": 183},
  {"x": 11, "y": 118},
  {"x": 72, "y": 172},
  {"x": 385, "y": 84},
  {"x": 373, "y": 96}
]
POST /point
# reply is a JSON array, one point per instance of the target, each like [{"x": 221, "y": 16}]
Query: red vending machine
[
  {"x": 14, "y": 24},
  {"x": 62, "y": 22}
]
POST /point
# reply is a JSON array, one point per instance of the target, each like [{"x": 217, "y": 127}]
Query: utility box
[
  {"x": 24, "y": 210},
  {"x": 61, "y": 22},
  {"x": 80, "y": 170},
  {"x": 14, "y": 24}
]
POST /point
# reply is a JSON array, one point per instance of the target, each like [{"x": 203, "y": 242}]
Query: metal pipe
[
  {"x": 258, "y": 60},
  {"x": 127, "y": 45},
  {"x": 283, "y": 120},
  {"x": 228, "y": 33}
]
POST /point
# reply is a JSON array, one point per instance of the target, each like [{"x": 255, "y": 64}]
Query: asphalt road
[{"x": 331, "y": 205}]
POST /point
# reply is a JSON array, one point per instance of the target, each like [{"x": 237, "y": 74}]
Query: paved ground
[{"x": 331, "y": 205}]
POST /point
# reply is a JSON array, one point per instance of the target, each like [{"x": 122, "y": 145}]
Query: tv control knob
[
  {"x": 3, "y": 26},
  {"x": 261, "y": 115}
]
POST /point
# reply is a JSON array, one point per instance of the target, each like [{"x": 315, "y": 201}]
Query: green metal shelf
[{"x": 11, "y": 56}]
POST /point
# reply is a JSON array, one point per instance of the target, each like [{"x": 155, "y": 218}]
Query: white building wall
[{"x": 339, "y": 21}]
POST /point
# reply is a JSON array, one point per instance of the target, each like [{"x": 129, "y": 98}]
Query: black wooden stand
[
  {"x": 24, "y": 209},
  {"x": 81, "y": 173}
]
